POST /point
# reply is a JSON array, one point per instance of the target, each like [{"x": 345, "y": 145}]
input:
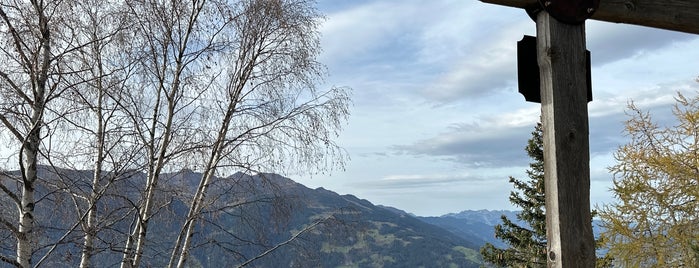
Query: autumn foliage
[{"x": 655, "y": 220}]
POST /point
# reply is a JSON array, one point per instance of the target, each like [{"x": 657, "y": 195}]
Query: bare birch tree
[
  {"x": 97, "y": 133},
  {"x": 273, "y": 118},
  {"x": 32, "y": 75},
  {"x": 177, "y": 39},
  {"x": 131, "y": 86}
]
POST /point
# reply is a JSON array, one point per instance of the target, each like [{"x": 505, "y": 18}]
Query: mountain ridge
[{"x": 347, "y": 231}]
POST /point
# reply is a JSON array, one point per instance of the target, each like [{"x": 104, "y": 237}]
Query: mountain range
[
  {"x": 361, "y": 234},
  {"x": 306, "y": 227},
  {"x": 476, "y": 226}
]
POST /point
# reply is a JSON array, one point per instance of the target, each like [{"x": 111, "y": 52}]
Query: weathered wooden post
[
  {"x": 563, "y": 73},
  {"x": 554, "y": 70},
  {"x": 563, "y": 91}
]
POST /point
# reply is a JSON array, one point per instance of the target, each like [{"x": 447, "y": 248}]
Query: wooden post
[{"x": 563, "y": 73}]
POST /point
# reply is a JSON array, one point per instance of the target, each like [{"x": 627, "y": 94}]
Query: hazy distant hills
[
  {"x": 475, "y": 226},
  {"x": 478, "y": 226}
]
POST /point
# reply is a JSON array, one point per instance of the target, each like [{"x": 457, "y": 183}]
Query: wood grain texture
[
  {"x": 676, "y": 15},
  {"x": 563, "y": 73}
]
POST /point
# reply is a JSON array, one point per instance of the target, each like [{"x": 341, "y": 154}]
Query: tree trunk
[
  {"x": 26, "y": 214},
  {"x": 196, "y": 206},
  {"x": 142, "y": 228},
  {"x": 90, "y": 227},
  {"x": 30, "y": 147},
  {"x": 134, "y": 246},
  {"x": 135, "y": 242},
  {"x": 158, "y": 154},
  {"x": 192, "y": 216},
  {"x": 199, "y": 197}
]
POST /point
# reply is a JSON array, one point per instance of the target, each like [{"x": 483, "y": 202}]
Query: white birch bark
[
  {"x": 37, "y": 63},
  {"x": 171, "y": 55},
  {"x": 274, "y": 63}
]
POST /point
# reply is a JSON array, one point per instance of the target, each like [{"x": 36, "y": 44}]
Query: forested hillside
[{"x": 265, "y": 220}]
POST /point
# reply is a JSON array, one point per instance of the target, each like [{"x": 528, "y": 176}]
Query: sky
[{"x": 437, "y": 124}]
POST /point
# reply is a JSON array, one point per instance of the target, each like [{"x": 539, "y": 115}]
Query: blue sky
[{"x": 437, "y": 124}]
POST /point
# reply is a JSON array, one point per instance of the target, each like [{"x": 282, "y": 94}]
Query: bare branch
[
  {"x": 18, "y": 42},
  {"x": 10, "y": 261},
  {"x": 9, "y": 225},
  {"x": 9, "y": 193},
  {"x": 16, "y": 88},
  {"x": 291, "y": 239},
  {"x": 11, "y": 127}
]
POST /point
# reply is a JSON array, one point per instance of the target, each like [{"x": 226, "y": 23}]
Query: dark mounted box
[{"x": 528, "y": 79}]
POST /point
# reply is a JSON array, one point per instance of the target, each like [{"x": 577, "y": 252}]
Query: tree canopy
[
  {"x": 138, "y": 92},
  {"x": 655, "y": 219}
]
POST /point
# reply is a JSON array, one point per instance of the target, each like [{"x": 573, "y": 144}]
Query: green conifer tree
[{"x": 527, "y": 244}]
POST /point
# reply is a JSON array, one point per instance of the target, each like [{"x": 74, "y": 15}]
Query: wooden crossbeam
[{"x": 676, "y": 15}]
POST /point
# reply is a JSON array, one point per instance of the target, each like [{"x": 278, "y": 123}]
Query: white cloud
[
  {"x": 441, "y": 49},
  {"x": 421, "y": 181},
  {"x": 610, "y": 42},
  {"x": 438, "y": 124},
  {"x": 356, "y": 33},
  {"x": 476, "y": 144}
]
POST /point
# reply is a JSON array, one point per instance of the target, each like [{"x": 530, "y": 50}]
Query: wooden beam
[
  {"x": 676, "y": 15},
  {"x": 512, "y": 3},
  {"x": 563, "y": 73}
]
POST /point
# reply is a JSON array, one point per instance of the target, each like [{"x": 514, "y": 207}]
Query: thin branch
[
  {"x": 53, "y": 247},
  {"x": 10, "y": 261},
  {"x": 15, "y": 37},
  {"x": 12, "y": 195},
  {"x": 291, "y": 239},
  {"x": 12, "y": 129},
  {"x": 9, "y": 225},
  {"x": 17, "y": 89}
]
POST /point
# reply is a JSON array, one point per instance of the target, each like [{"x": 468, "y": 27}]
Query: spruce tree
[{"x": 527, "y": 244}]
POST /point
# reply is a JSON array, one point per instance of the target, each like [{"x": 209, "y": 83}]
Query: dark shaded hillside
[
  {"x": 246, "y": 217},
  {"x": 360, "y": 234}
]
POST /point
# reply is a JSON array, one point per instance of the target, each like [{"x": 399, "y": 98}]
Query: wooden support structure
[
  {"x": 676, "y": 15},
  {"x": 563, "y": 88},
  {"x": 563, "y": 73}
]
